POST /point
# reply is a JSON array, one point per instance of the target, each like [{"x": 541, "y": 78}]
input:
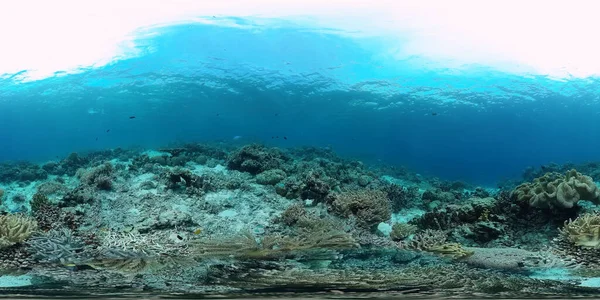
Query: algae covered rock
[
  {"x": 370, "y": 207},
  {"x": 270, "y": 177},
  {"x": 401, "y": 231},
  {"x": 255, "y": 159},
  {"x": 554, "y": 190},
  {"x": 452, "y": 215}
]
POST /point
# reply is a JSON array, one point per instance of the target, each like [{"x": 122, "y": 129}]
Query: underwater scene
[{"x": 256, "y": 149}]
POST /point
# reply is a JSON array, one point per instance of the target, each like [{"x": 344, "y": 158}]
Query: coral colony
[{"x": 217, "y": 219}]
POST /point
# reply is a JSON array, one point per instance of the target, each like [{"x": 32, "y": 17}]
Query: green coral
[{"x": 554, "y": 190}]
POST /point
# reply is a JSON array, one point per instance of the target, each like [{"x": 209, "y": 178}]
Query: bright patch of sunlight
[{"x": 555, "y": 38}]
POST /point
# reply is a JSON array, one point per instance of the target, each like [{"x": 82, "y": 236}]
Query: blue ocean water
[
  {"x": 251, "y": 157},
  {"x": 195, "y": 82}
]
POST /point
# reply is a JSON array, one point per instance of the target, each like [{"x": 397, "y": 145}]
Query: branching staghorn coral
[
  {"x": 15, "y": 229},
  {"x": 124, "y": 253},
  {"x": 56, "y": 246},
  {"x": 462, "y": 278},
  {"x": 323, "y": 279},
  {"x": 457, "y": 278},
  {"x": 247, "y": 246},
  {"x": 150, "y": 244},
  {"x": 132, "y": 263}
]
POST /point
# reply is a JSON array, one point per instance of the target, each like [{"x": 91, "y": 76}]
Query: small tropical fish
[
  {"x": 132, "y": 117},
  {"x": 198, "y": 231},
  {"x": 237, "y": 137},
  {"x": 285, "y": 137},
  {"x": 434, "y": 114},
  {"x": 93, "y": 111}
]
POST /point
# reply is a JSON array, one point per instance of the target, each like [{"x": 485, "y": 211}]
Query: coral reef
[
  {"x": 56, "y": 246},
  {"x": 248, "y": 246},
  {"x": 370, "y": 207},
  {"x": 255, "y": 159},
  {"x": 401, "y": 231},
  {"x": 216, "y": 218},
  {"x": 401, "y": 197}
]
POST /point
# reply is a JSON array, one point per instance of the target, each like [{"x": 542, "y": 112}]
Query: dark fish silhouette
[
  {"x": 132, "y": 117},
  {"x": 434, "y": 114},
  {"x": 285, "y": 137},
  {"x": 107, "y": 130}
]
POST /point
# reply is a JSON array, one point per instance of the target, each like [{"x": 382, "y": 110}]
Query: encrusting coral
[
  {"x": 554, "y": 190},
  {"x": 15, "y": 229}
]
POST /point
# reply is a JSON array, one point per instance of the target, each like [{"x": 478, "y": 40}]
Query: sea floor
[{"x": 219, "y": 221}]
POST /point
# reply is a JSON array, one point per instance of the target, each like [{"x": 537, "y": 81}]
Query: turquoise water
[
  {"x": 212, "y": 130},
  {"x": 204, "y": 83}
]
